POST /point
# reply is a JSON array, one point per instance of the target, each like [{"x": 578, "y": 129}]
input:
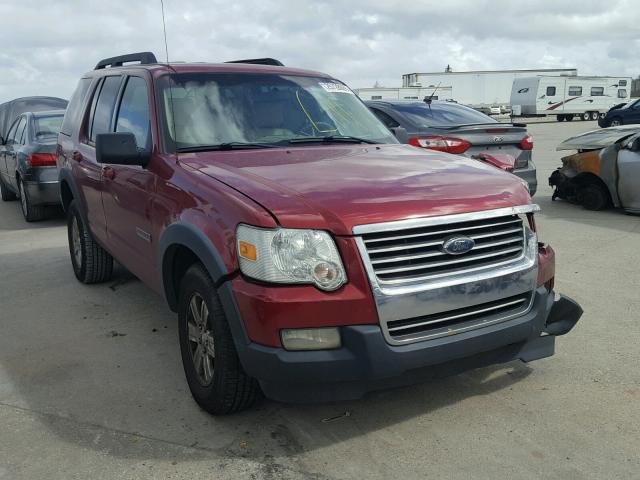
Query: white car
[{"x": 495, "y": 110}]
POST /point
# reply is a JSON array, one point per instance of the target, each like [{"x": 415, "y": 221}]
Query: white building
[
  {"x": 486, "y": 87},
  {"x": 404, "y": 93}
]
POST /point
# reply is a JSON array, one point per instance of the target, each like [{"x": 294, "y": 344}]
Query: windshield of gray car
[
  {"x": 46, "y": 127},
  {"x": 446, "y": 114},
  {"x": 229, "y": 109}
]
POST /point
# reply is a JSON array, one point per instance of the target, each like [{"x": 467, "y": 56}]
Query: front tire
[
  {"x": 585, "y": 116},
  {"x": 569, "y": 117},
  {"x": 560, "y": 118},
  {"x": 593, "y": 197},
  {"x": 91, "y": 263},
  {"x": 615, "y": 122},
  {"x": 215, "y": 376},
  {"x": 31, "y": 212}
]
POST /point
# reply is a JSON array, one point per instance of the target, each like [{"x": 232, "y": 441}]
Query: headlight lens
[{"x": 290, "y": 256}]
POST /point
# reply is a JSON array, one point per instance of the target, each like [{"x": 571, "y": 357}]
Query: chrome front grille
[
  {"x": 414, "y": 254},
  {"x": 458, "y": 320}
]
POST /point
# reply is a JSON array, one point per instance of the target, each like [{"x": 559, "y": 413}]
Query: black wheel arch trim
[
  {"x": 184, "y": 234},
  {"x": 66, "y": 177}
]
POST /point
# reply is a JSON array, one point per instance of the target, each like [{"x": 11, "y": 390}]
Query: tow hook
[{"x": 564, "y": 314}]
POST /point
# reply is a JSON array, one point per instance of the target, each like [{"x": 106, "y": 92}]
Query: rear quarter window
[
  {"x": 74, "y": 111},
  {"x": 46, "y": 128}
]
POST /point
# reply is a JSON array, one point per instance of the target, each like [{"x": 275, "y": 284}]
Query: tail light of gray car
[
  {"x": 527, "y": 143},
  {"x": 441, "y": 144},
  {"x": 42, "y": 160}
]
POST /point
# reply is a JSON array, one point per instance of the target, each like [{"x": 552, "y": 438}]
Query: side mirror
[
  {"x": 400, "y": 133},
  {"x": 119, "y": 149}
]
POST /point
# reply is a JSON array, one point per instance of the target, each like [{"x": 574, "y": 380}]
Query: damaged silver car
[{"x": 605, "y": 171}]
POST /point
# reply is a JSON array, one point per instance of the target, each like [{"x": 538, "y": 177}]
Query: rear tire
[
  {"x": 569, "y": 117},
  {"x": 6, "y": 194},
  {"x": 593, "y": 197},
  {"x": 31, "y": 212},
  {"x": 595, "y": 116},
  {"x": 91, "y": 263},
  {"x": 215, "y": 376},
  {"x": 560, "y": 118},
  {"x": 585, "y": 116}
]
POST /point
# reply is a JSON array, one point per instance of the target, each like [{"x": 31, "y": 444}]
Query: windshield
[
  {"x": 47, "y": 127},
  {"x": 441, "y": 114},
  {"x": 209, "y": 109}
]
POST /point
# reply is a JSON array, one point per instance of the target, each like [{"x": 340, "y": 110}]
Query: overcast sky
[{"x": 46, "y": 45}]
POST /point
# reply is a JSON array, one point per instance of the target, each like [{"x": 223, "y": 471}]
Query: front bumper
[
  {"x": 528, "y": 174},
  {"x": 366, "y": 362}
]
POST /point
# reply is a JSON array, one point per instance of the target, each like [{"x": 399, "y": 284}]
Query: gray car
[
  {"x": 457, "y": 129},
  {"x": 28, "y": 162}
]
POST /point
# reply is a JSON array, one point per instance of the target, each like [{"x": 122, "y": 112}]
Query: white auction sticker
[{"x": 336, "y": 88}]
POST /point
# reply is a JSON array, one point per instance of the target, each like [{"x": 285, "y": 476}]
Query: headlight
[{"x": 290, "y": 256}]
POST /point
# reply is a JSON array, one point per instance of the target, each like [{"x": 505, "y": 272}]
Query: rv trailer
[{"x": 567, "y": 97}]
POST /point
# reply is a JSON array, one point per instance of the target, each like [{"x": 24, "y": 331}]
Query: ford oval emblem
[{"x": 458, "y": 245}]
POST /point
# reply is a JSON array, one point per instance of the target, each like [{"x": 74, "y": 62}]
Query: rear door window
[
  {"x": 46, "y": 127},
  {"x": 18, "y": 137},
  {"x": 133, "y": 114},
  {"x": 103, "y": 114}
]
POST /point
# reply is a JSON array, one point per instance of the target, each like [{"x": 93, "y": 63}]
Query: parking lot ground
[{"x": 91, "y": 384}]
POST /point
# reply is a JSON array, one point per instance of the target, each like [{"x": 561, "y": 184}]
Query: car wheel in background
[
  {"x": 585, "y": 116},
  {"x": 215, "y": 376},
  {"x": 560, "y": 118},
  {"x": 593, "y": 197},
  {"x": 32, "y": 213},
  {"x": 594, "y": 115},
  {"x": 6, "y": 194},
  {"x": 615, "y": 122},
  {"x": 91, "y": 263},
  {"x": 568, "y": 117}
]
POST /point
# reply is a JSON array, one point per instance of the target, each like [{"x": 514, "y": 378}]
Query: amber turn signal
[{"x": 248, "y": 251}]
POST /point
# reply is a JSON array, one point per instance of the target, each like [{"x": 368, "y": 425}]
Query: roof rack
[
  {"x": 259, "y": 61},
  {"x": 145, "y": 58}
]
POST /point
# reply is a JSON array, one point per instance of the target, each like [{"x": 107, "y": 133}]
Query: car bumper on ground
[
  {"x": 366, "y": 362},
  {"x": 528, "y": 174}
]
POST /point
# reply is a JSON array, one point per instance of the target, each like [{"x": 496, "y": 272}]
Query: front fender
[{"x": 182, "y": 234}]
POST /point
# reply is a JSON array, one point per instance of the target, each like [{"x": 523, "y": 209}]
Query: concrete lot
[{"x": 91, "y": 384}]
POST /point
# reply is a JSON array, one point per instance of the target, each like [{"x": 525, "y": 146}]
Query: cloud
[{"x": 48, "y": 45}]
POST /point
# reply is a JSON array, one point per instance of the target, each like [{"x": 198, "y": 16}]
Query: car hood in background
[
  {"x": 336, "y": 187},
  {"x": 597, "y": 139}
]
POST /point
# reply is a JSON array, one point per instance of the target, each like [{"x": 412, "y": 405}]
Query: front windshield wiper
[
  {"x": 331, "y": 138},
  {"x": 223, "y": 146}
]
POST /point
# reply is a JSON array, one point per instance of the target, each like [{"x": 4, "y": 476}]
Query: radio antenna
[{"x": 164, "y": 29}]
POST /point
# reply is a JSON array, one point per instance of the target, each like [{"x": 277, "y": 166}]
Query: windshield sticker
[{"x": 336, "y": 88}]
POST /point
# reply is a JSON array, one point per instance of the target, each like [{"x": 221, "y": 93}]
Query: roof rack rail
[
  {"x": 145, "y": 58},
  {"x": 259, "y": 61}
]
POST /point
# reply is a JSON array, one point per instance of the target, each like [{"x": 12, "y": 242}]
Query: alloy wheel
[
  {"x": 23, "y": 200},
  {"x": 76, "y": 244},
  {"x": 200, "y": 339}
]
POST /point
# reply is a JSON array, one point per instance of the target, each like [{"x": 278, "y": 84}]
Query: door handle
[
  {"x": 109, "y": 173},
  {"x": 77, "y": 156}
]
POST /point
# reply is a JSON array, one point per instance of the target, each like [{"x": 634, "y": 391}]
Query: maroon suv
[{"x": 308, "y": 254}]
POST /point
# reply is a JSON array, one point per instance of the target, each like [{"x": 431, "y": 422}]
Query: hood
[
  {"x": 597, "y": 139},
  {"x": 337, "y": 187}
]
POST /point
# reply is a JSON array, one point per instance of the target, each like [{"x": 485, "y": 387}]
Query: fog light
[{"x": 310, "y": 338}]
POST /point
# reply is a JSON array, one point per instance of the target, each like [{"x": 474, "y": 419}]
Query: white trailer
[
  {"x": 568, "y": 97},
  {"x": 480, "y": 87},
  {"x": 404, "y": 93}
]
